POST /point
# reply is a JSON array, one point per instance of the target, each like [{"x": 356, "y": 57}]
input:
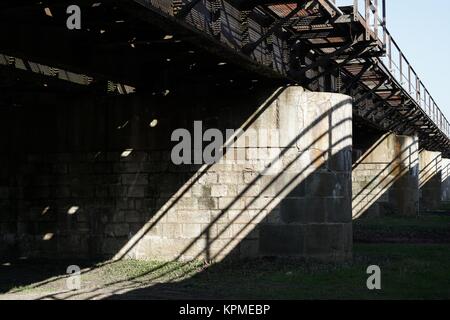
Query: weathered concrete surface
[
  {"x": 75, "y": 194},
  {"x": 430, "y": 180},
  {"x": 301, "y": 210},
  {"x": 385, "y": 178},
  {"x": 445, "y": 175}
]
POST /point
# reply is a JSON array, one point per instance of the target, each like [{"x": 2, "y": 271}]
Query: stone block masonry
[
  {"x": 386, "y": 176},
  {"x": 430, "y": 180},
  {"x": 91, "y": 178},
  {"x": 445, "y": 191}
]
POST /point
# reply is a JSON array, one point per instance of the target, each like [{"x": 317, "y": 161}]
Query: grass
[
  {"x": 104, "y": 274},
  {"x": 440, "y": 222},
  {"x": 421, "y": 229},
  {"x": 408, "y": 271},
  {"x": 147, "y": 271}
]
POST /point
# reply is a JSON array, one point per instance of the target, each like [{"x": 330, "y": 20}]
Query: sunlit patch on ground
[{"x": 410, "y": 270}]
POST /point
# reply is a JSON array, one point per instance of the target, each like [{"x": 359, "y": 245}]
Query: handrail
[
  {"x": 399, "y": 67},
  {"x": 401, "y": 70},
  {"x": 372, "y": 14}
]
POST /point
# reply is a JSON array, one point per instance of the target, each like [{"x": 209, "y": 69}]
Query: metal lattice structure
[
  {"x": 307, "y": 41},
  {"x": 323, "y": 45}
]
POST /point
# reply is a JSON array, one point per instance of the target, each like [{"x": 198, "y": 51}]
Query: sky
[{"x": 422, "y": 30}]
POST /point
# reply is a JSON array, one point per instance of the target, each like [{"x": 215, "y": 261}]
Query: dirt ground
[{"x": 414, "y": 266}]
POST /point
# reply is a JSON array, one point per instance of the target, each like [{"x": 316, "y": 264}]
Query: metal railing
[
  {"x": 402, "y": 71},
  {"x": 373, "y": 13}
]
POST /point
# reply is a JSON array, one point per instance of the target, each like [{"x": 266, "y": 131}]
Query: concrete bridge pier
[
  {"x": 445, "y": 175},
  {"x": 101, "y": 182},
  {"x": 386, "y": 177},
  {"x": 391, "y": 176},
  {"x": 298, "y": 206},
  {"x": 434, "y": 180}
]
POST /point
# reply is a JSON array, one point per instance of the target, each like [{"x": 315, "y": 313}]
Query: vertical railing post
[
  {"x": 417, "y": 89},
  {"x": 355, "y": 9},
  {"x": 430, "y": 100},
  {"x": 367, "y": 14},
  {"x": 384, "y": 24},
  {"x": 376, "y": 18},
  {"x": 434, "y": 113},
  {"x": 409, "y": 79},
  {"x": 431, "y": 108},
  {"x": 390, "y": 53}
]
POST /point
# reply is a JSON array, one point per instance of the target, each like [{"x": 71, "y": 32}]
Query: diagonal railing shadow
[
  {"x": 381, "y": 180},
  {"x": 344, "y": 141},
  {"x": 430, "y": 170}
]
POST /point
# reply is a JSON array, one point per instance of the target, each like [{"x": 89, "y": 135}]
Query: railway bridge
[{"x": 328, "y": 122}]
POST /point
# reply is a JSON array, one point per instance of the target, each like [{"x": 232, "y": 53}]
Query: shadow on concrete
[
  {"x": 431, "y": 180},
  {"x": 445, "y": 192},
  {"x": 68, "y": 196},
  {"x": 385, "y": 184}
]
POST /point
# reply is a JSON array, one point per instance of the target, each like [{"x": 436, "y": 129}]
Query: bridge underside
[
  {"x": 75, "y": 101},
  {"x": 161, "y": 45}
]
